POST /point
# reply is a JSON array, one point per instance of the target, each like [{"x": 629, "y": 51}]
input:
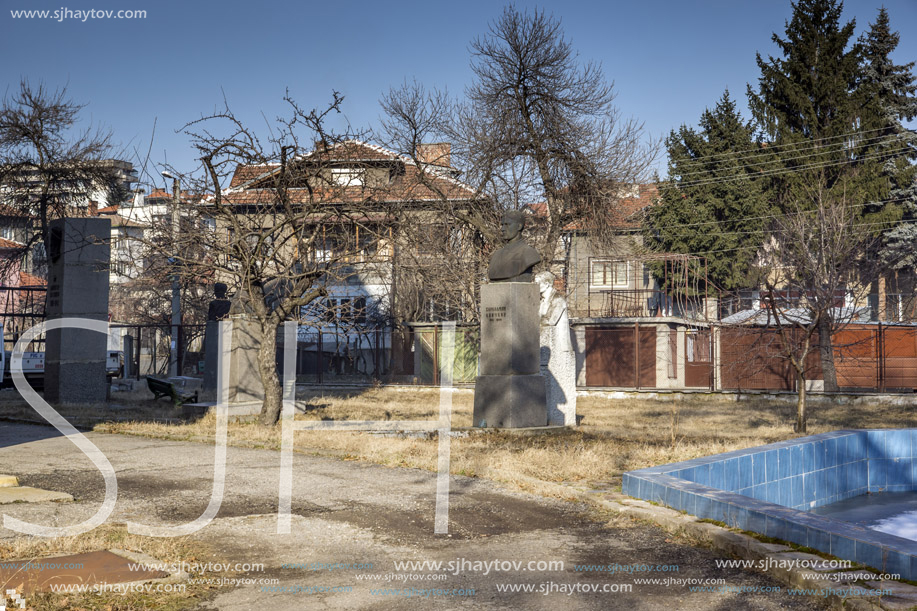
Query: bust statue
[
  {"x": 219, "y": 307},
  {"x": 513, "y": 262}
]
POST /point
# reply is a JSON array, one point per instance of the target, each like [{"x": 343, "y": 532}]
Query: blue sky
[{"x": 668, "y": 59}]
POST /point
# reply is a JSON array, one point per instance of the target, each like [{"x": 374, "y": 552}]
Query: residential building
[
  {"x": 374, "y": 225},
  {"x": 639, "y": 319}
]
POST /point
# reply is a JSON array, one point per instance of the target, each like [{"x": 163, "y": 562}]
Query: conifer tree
[
  {"x": 808, "y": 101},
  {"x": 892, "y": 92},
  {"x": 809, "y": 108},
  {"x": 711, "y": 205}
]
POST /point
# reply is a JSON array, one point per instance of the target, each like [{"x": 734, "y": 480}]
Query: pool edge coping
[{"x": 827, "y": 535}]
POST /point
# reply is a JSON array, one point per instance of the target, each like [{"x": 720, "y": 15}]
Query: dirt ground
[{"x": 353, "y": 523}]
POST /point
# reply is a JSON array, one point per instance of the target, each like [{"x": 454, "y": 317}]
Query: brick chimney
[{"x": 435, "y": 153}]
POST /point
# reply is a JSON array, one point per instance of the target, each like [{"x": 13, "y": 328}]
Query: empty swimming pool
[{"x": 773, "y": 489}]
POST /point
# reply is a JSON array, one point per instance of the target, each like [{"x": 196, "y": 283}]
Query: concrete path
[{"x": 351, "y": 516}]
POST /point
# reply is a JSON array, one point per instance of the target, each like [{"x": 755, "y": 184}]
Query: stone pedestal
[
  {"x": 244, "y": 376},
  {"x": 510, "y": 401},
  {"x": 208, "y": 392},
  {"x": 78, "y": 267},
  {"x": 510, "y": 392}
]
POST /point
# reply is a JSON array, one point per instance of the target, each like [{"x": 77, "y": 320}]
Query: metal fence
[
  {"x": 404, "y": 355},
  {"x": 149, "y": 350}
]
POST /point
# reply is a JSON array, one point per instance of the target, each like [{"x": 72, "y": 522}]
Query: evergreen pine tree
[
  {"x": 711, "y": 205},
  {"x": 892, "y": 92},
  {"x": 807, "y": 107},
  {"x": 810, "y": 108}
]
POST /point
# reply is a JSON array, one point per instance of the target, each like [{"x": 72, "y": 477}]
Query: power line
[
  {"x": 877, "y": 141},
  {"x": 780, "y": 171},
  {"x": 758, "y": 246},
  {"x": 781, "y": 215},
  {"x": 804, "y": 143}
]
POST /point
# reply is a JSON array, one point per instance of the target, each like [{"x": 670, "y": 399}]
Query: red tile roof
[
  {"x": 247, "y": 173},
  {"x": 627, "y": 213},
  {"x": 159, "y": 194},
  {"x": 10, "y": 244},
  {"x": 411, "y": 185}
]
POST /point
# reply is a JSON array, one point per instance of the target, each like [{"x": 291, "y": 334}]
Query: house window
[
  {"x": 697, "y": 346},
  {"x": 330, "y": 313},
  {"x": 347, "y": 177},
  {"x": 608, "y": 274},
  {"x": 344, "y": 311},
  {"x": 323, "y": 250},
  {"x": 359, "y": 310}
]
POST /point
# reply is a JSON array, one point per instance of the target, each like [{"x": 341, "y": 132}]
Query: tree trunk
[
  {"x": 800, "y": 402},
  {"x": 267, "y": 365},
  {"x": 826, "y": 350}
]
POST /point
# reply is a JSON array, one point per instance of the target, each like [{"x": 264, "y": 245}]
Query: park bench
[{"x": 164, "y": 388}]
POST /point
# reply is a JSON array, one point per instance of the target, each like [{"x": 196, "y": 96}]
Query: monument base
[
  {"x": 244, "y": 375},
  {"x": 208, "y": 392},
  {"x": 513, "y": 401},
  {"x": 79, "y": 382}
]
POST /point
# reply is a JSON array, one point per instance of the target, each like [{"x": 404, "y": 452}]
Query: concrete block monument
[
  {"x": 510, "y": 392},
  {"x": 78, "y": 267},
  {"x": 244, "y": 376},
  {"x": 217, "y": 311}
]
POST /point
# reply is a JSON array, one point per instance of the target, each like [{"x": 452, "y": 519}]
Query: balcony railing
[{"x": 642, "y": 303}]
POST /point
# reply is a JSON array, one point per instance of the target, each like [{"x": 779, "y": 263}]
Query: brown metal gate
[
  {"x": 698, "y": 358},
  {"x": 880, "y": 357},
  {"x": 623, "y": 357}
]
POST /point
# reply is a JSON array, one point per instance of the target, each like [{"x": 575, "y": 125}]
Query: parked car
[{"x": 33, "y": 366}]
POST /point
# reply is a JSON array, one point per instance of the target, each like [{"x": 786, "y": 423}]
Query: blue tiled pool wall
[
  {"x": 766, "y": 490},
  {"x": 807, "y": 472}
]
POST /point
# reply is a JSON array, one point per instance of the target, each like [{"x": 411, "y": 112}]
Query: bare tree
[
  {"x": 49, "y": 168},
  {"x": 536, "y": 125},
  {"x": 300, "y": 216},
  {"x": 274, "y": 221},
  {"x": 541, "y": 122},
  {"x": 442, "y": 253},
  {"x": 815, "y": 264}
]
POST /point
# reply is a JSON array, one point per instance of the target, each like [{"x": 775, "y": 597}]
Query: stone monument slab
[
  {"x": 510, "y": 392},
  {"x": 211, "y": 359},
  {"x": 244, "y": 375},
  {"x": 217, "y": 310},
  {"x": 558, "y": 358},
  {"x": 509, "y": 328},
  {"x": 78, "y": 273}
]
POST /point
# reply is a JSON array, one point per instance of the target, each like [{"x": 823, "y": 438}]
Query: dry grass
[
  {"x": 107, "y": 536},
  {"x": 615, "y": 435}
]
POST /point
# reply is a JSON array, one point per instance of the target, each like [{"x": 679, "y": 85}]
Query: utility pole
[{"x": 176, "y": 288}]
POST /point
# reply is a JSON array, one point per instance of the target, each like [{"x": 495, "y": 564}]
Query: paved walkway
[{"x": 349, "y": 513}]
